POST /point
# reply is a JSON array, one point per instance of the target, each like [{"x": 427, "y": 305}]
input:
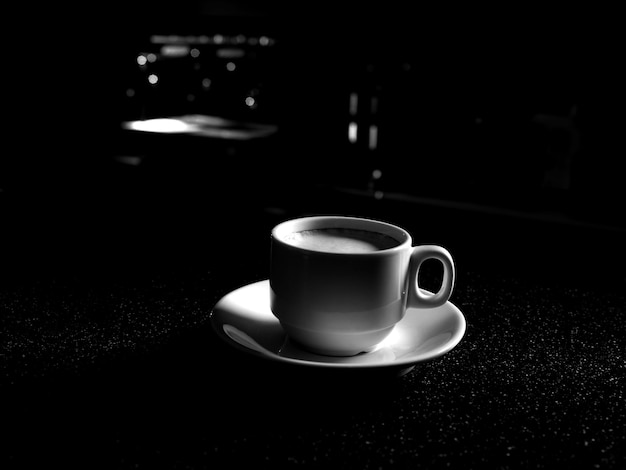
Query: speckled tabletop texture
[{"x": 108, "y": 359}]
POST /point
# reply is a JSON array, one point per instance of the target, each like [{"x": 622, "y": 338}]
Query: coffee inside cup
[{"x": 341, "y": 240}]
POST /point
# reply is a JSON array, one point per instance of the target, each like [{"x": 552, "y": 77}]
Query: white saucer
[{"x": 243, "y": 319}]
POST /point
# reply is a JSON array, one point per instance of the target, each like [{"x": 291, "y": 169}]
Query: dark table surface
[{"x": 108, "y": 358}]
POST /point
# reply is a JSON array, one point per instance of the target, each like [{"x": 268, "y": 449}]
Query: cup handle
[{"x": 417, "y": 297}]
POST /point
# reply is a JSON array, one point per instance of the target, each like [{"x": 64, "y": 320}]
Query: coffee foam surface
[{"x": 341, "y": 240}]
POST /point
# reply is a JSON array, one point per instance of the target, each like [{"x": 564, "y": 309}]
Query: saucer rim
[{"x": 402, "y": 363}]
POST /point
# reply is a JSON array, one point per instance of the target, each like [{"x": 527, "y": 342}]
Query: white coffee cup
[{"x": 339, "y": 284}]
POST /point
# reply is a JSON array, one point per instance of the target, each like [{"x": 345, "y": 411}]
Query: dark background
[{"x": 515, "y": 108}]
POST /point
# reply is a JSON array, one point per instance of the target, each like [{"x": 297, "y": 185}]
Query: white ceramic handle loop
[{"x": 417, "y": 297}]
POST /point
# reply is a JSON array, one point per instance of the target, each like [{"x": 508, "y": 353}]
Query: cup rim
[{"x": 402, "y": 236}]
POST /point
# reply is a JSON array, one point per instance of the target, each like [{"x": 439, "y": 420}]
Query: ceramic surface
[{"x": 243, "y": 319}]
